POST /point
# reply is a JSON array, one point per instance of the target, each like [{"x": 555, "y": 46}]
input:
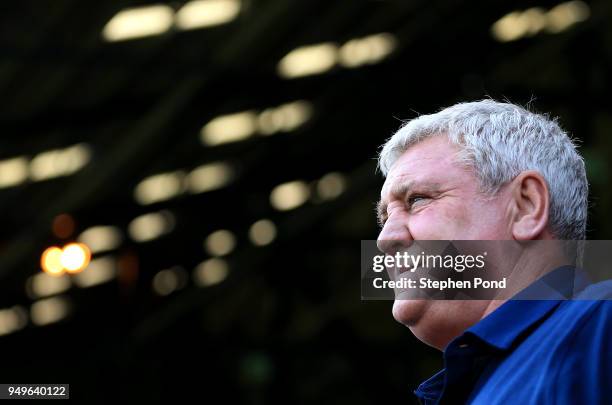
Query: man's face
[{"x": 429, "y": 196}]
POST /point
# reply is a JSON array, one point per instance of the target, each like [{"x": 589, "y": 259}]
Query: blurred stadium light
[
  {"x": 169, "y": 280},
  {"x": 242, "y": 125},
  {"x": 290, "y": 195},
  {"x": 210, "y": 272},
  {"x": 151, "y": 226},
  {"x": 209, "y": 177},
  {"x": 520, "y": 24},
  {"x": 308, "y": 60},
  {"x": 262, "y": 232},
  {"x": 63, "y": 226},
  {"x": 12, "y": 319},
  {"x": 49, "y": 310},
  {"x": 42, "y": 285},
  {"x": 75, "y": 257},
  {"x": 284, "y": 118},
  {"x": 159, "y": 187},
  {"x": 51, "y": 262},
  {"x": 59, "y": 162},
  {"x": 331, "y": 186},
  {"x": 99, "y": 271},
  {"x": 206, "y": 13},
  {"x": 229, "y": 128},
  {"x": 220, "y": 243},
  {"x": 139, "y": 22},
  {"x": 13, "y": 171},
  {"x": 101, "y": 238},
  {"x": 366, "y": 50}
]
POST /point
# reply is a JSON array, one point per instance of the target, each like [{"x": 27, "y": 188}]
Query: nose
[{"x": 394, "y": 237}]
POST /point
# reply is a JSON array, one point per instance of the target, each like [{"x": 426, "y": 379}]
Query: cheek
[
  {"x": 454, "y": 219},
  {"x": 486, "y": 222},
  {"x": 443, "y": 222}
]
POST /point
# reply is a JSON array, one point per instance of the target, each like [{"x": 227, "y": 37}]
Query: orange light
[
  {"x": 63, "y": 226},
  {"x": 50, "y": 261},
  {"x": 75, "y": 257}
]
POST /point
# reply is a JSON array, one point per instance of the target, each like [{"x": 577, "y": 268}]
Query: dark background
[{"x": 287, "y": 324}]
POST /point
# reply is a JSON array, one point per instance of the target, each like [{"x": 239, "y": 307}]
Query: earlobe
[{"x": 531, "y": 200}]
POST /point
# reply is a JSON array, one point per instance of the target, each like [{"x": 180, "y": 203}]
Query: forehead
[{"x": 431, "y": 161}]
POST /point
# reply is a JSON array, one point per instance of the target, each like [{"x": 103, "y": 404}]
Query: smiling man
[{"x": 494, "y": 171}]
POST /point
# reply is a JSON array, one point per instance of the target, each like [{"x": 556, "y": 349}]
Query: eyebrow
[{"x": 399, "y": 191}]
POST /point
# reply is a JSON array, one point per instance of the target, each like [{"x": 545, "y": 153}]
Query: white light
[
  {"x": 286, "y": 117},
  {"x": 331, "y": 186},
  {"x": 294, "y": 114},
  {"x": 101, "y": 238},
  {"x": 159, "y": 187},
  {"x": 206, "y": 13},
  {"x": 167, "y": 281},
  {"x": 49, "y": 310},
  {"x": 520, "y": 24},
  {"x": 269, "y": 121},
  {"x": 535, "y": 20},
  {"x": 308, "y": 60},
  {"x": 139, "y": 22},
  {"x": 13, "y": 171},
  {"x": 151, "y": 226},
  {"x": 510, "y": 27},
  {"x": 44, "y": 285},
  {"x": 229, "y": 128},
  {"x": 567, "y": 14},
  {"x": 210, "y": 272},
  {"x": 367, "y": 50},
  {"x": 209, "y": 177},
  {"x": 220, "y": 243},
  {"x": 75, "y": 257},
  {"x": 290, "y": 195},
  {"x": 99, "y": 271},
  {"x": 12, "y": 320},
  {"x": 50, "y": 261},
  {"x": 59, "y": 162},
  {"x": 262, "y": 232},
  {"x": 381, "y": 46}
]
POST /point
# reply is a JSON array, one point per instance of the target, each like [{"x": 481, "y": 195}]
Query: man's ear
[{"x": 530, "y": 201}]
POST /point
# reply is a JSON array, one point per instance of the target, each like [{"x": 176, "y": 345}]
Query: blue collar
[
  {"x": 513, "y": 320},
  {"x": 510, "y": 321},
  {"x": 498, "y": 330},
  {"x": 517, "y": 316}
]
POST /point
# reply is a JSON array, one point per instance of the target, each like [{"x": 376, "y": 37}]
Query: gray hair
[{"x": 501, "y": 140}]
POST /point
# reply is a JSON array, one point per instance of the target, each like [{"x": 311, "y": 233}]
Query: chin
[
  {"x": 430, "y": 321},
  {"x": 437, "y": 322},
  {"x": 409, "y": 312}
]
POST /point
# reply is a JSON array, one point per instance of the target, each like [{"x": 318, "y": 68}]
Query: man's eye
[{"x": 415, "y": 199}]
